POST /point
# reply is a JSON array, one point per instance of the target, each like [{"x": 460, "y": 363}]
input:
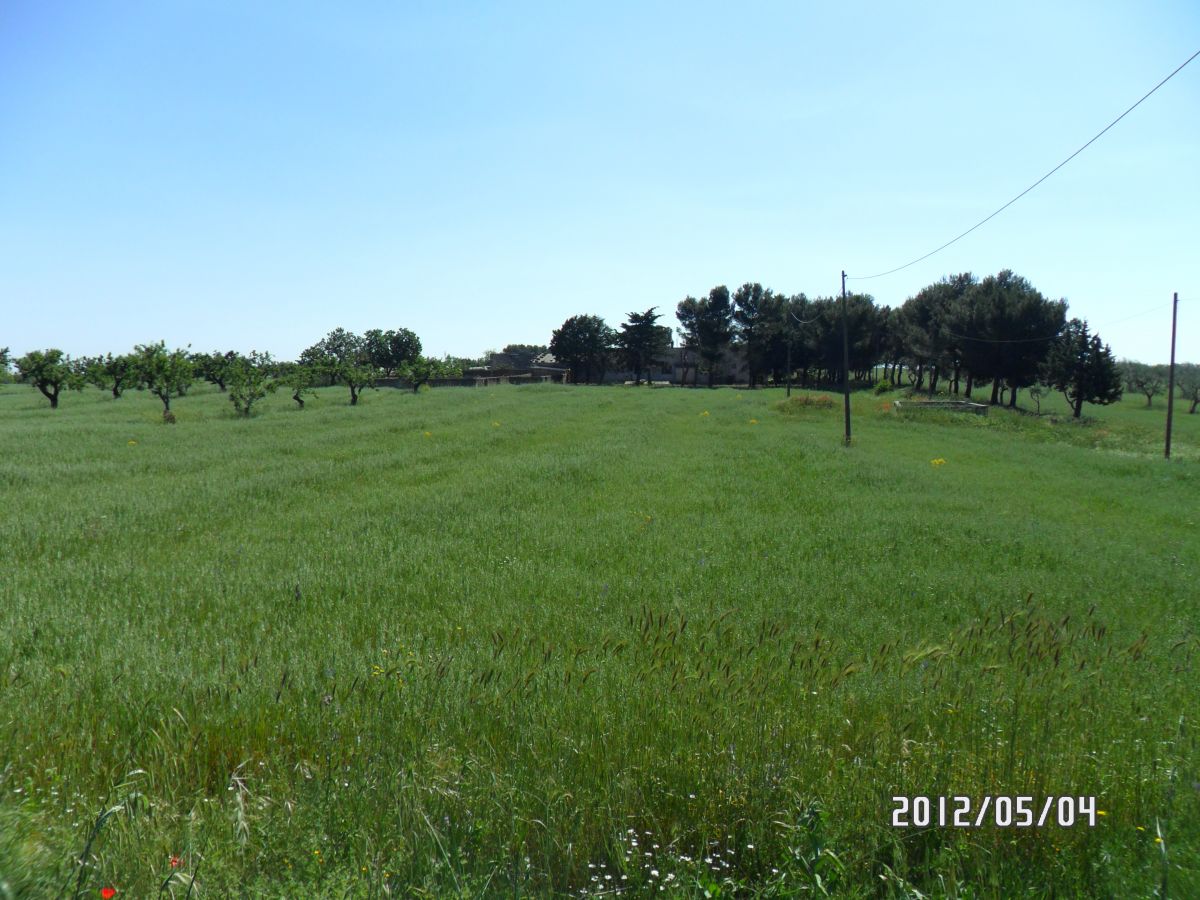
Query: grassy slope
[{"x": 468, "y": 638}]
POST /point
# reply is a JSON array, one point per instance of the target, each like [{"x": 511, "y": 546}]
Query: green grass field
[{"x": 562, "y": 641}]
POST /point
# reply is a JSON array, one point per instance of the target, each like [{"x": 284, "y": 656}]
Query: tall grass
[{"x": 515, "y": 640}]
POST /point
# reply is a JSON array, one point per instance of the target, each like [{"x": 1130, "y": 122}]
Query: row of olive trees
[
  {"x": 357, "y": 361},
  {"x": 340, "y": 358},
  {"x": 1151, "y": 381},
  {"x": 150, "y": 367}
]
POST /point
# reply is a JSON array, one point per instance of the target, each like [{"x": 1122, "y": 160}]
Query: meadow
[{"x": 556, "y": 641}]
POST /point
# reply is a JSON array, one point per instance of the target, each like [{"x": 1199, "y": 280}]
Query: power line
[
  {"x": 800, "y": 321},
  {"x": 979, "y": 340},
  {"x": 1032, "y": 186},
  {"x": 1144, "y": 312}
]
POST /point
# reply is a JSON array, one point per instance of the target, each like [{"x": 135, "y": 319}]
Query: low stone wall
[
  {"x": 474, "y": 381},
  {"x": 435, "y": 382},
  {"x": 979, "y": 409}
]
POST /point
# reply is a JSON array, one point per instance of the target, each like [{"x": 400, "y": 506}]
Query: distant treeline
[{"x": 960, "y": 335}]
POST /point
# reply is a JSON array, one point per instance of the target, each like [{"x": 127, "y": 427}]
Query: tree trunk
[
  {"x": 296, "y": 396},
  {"x": 353, "y": 395},
  {"x": 1195, "y": 402},
  {"x": 970, "y": 384},
  {"x": 1078, "y": 406},
  {"x": 995, "y": 391},
  {"x": 53, "y": 398},
  {"x": 1012, "y": 398}
]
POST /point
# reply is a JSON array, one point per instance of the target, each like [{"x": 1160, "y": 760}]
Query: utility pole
[
  {"x": 846, "y": 360},
  {"x": 1171, "y": 376},
  {"x": 789, "y": 363}
]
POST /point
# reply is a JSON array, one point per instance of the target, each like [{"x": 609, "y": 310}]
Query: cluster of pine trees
[{"x": 961, "y": 335}]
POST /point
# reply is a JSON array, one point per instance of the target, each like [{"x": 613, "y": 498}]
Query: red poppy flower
[
  {"x": 176, "y": 862},
  {"x": 108, "y": 893}
]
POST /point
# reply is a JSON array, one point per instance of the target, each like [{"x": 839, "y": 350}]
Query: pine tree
[
  {"x": 642, "y": 339},
  {"x": 1082, "y": 368}
]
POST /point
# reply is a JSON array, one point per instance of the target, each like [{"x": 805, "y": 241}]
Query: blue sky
[{"x": 251, "y": 175}]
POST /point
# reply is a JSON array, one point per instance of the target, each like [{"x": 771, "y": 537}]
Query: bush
[
  {"x": 883, "y": 387},
  {"x": 803, "y": 402}
]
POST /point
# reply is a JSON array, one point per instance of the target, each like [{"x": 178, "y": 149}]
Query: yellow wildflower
[{"x": 937, "y": 462}]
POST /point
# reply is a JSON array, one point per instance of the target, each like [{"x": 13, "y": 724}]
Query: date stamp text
[{"x": 1000, "y": 811}]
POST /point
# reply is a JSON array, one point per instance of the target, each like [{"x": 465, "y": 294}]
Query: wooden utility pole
[
  {"x": 845, "y": 359},
  {"x": 1171, "y": 376},
  {"x": 789, "y": 363}
]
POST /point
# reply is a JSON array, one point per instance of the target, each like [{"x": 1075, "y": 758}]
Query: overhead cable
[{"x": 1032, "y": 186}]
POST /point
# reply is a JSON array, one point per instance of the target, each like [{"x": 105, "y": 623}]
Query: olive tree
[
  {"x": 214, "y": 367},
  {"x": 248, "y": 380},
  {"x": 358, "y": 376},
  {"x": 425, "y": 368},
  {"x": 299, "y": 378},
  {"x": 111, "y": 373},
  {"x": 50, "y": 371},
  {"x": 343, "y": 356},
  {"x": 1187, "y": 378},
  {"x": 1143, "y": 379},
  {"x": 164, "y": 373}
]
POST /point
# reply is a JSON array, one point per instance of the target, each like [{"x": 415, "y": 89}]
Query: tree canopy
[
  {"x": 583, "y": 344},
  {"x": 164, "y": 373},
  {"x": 1140, "y": 378},
  {"x": 641, "y": 340},
  {"x": 1082, "y": 368},
  {"x": 50, "y": 371},
  {"x": 390, "y": 350}
]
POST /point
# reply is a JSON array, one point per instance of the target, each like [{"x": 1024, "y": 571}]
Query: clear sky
[{"x": 237, "y": 175}]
